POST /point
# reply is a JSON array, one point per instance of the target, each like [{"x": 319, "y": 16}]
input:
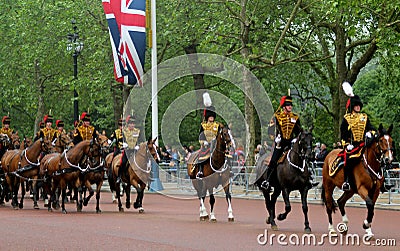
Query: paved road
[{"x": 171, "y": 223}]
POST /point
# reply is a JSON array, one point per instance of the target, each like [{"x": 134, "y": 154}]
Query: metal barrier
[{"x": 244, "y": 176}]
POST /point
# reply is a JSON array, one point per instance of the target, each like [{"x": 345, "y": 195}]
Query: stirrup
[{"x": 346, "y": 186}]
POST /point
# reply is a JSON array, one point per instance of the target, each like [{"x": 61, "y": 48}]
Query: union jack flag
[{"x": 127, "y": 27}]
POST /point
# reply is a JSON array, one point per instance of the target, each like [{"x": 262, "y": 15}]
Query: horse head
[
  {"x": 384, "y": 144},
  {"x": 15, "y": 141},
  {"x": 104, "y": 143},
  {"x": 225, "y": 134},
  {"x": 152, "y": 147},
  {"x": 305, "y": 139}
]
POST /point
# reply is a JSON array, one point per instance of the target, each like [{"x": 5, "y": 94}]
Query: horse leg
[
  {"x": 98, "y": 190},
  {"x": 79, "y": 202},
  {"x": 327, "y": 196},
  {"x": 35, "y": 193},
  {"x": 23, "y": 192},
  {"x": 370, "y": 203},
  {"x": 91, "y": 193},
  {"x": 212, "y": 203},
  {"x": 288, "y": 207},
  {"x": 229, "y": 201},
  {"x": 128, "y": 196},
  {"x": 203, "y": 210},
  {"x": 14, "y": 195},
  {"x": 139, "y": 199},
  {"x": 118, "y": 194},
  {"x": 63, "y": 196},
  {"x": 270, "y": 202},
  {"x": 304, "y": 193},
  {"x": 341, "y": 203}
]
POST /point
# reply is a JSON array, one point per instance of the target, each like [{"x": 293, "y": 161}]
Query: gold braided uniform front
[
  {"x": 86, "y": 132},
  {"x": 7, "y": 131},
  {"x": 210, "y": 130},
  {"x": 131, "y": 136},
  {"x": 48, "y": 133},
  {"x": 357, "y": 123},
  {"x": 286, "y": 123},
  {"x": 118, "y": 136}
]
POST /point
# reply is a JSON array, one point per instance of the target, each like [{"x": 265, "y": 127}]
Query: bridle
[{"x": 303, "y": 147}]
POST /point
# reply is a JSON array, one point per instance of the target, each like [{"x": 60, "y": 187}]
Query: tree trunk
[{"x": 41, "y": 106}]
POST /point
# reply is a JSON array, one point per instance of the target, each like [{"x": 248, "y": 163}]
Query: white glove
[
  {"x": 124, "y": 145},
  {"x": 349, "y": 147},
  {"x": 294, "y": 140},
  {"x": 205, "y": 143},
  {"x": 136, "y": 147},
  {"x": 368, "y": 135},
  {"x": 278, "y": 139},
  {"x": 109, "y": 141}
]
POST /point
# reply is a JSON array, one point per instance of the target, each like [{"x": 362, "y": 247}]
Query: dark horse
[
  {"x": 216, "y": 172},
  {"x": 137, "y": 175},
  {"x": 365, "y": 180},
  {"x": 95, "y": 173},
  {"x": 290, "y": 175},
  {"x": 59, "y": 170},
  {"x": 23, "y": 165}
]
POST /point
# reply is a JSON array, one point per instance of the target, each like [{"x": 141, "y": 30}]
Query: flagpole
[{"x": 155, "y": 184}]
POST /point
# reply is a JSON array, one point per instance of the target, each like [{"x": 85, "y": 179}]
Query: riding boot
[
  {"x": 199, "y": 174},
  {"x": 121, "y": 169},
  {"x": 346, "y": 184},
  {"x": 265, "y": 184}
]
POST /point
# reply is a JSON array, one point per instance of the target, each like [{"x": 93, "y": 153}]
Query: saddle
[{"x": 340, "y": 160}]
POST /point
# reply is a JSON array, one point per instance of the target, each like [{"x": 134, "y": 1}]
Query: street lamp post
[{"x": 76, "y": 46}]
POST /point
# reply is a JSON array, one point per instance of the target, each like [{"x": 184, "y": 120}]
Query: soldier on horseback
[
  {"x": 287, "y": 128},
  {"x": 60, "y": 127},
  {"x": 117, "y": 138},
  {"x": 130, "y": 136},
  {"x": 208, "y": 131},
  {"x": 48, "y": 132},
  {"x": 84, "y": 130},
  {"x": 6, "y": 121}
]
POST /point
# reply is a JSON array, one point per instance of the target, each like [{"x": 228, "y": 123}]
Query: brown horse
[
  {"x": 95, "y": 173},
  {"x": 23, "y": 165},
  {"x": 365, "y": 180},
  {"x": 137, "y": 175},
  {"x": 216, "y": 172},
  {"x": 62, "y": 142},
  {"x": 63, "y": 169}
]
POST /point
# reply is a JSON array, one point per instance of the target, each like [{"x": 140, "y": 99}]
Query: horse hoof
[
  {"x": 231, "y": 219},
  {"x": 114, "y": 201},
  {"x": 21, "y": 206},
  {"x": 121, "y": 210},
  {"x": 204, "y": 218},
  {"x": 128, "y": 205},
  {"x": 307, "y": 230},
  {"x": 333, "y": 233},
  {"x": 35, "y": 206},
  {"x": 136, "y": 205},
  {"x": 98, "y": 211},
  {"x": 281, "y": 217},
  {"x": 49, "y": 210},
  {"x": 85, "y": 203},
  {"x": 64, "y": 211},
  {"x": 274, "y": 228},
  {"x": 213, "y": 220},
  {"x": 141, "y": 210}
]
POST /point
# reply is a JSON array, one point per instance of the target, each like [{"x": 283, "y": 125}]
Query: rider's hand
[
  {"x": 368, "y": 135},
  {"x": 205, "y": 143},
  {"x": 349, "y": 147},
  {"x": 124, "y": 145},
  {"x": 294, "y": 140},
  {"x": 278, "y": 139},
  {"x": 136, "y": 147}
]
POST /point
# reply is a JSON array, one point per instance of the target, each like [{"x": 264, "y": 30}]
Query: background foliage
[{"x": 286, "y": 44}]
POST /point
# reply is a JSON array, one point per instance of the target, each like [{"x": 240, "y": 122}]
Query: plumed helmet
[
  {"x": 130, "y": 119},
  {"x": 353, "y": 101},
  {"x": 209, "y": 112},
  {"x": 48, "y": 118},
  {"x": 85, "y": 116},
  {"x": 59, "y": 123},
  {"x": 6, "y": 120},
  {"x": 286, "y": 100}
]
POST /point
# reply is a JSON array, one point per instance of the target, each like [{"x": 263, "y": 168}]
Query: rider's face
[
  {"x": 356, "y": 108},
  {"x": 288, "y": 108},
  {"x": 210, "y": 119}
]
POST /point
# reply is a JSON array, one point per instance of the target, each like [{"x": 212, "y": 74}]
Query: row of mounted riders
[{"x": 53, "y": 166}]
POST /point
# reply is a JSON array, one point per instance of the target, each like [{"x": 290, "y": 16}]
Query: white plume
[
  {"x": 348, "y": 90},
  {"x": 207, "y": 99}
]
